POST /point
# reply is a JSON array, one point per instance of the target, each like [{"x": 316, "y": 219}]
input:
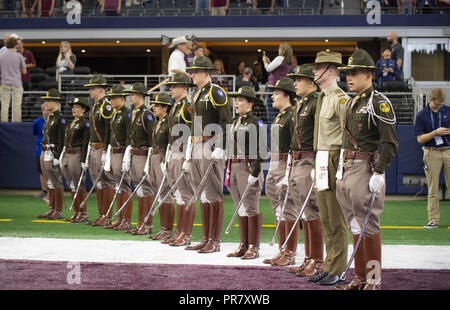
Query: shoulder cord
[{"x": 373, "y": 114}]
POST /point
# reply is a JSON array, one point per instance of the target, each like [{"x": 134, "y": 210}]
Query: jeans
[
  {"x": 201, "y": 4},
  {"x": 9, "y": 5},
  {"x": 14, "y": 93}
]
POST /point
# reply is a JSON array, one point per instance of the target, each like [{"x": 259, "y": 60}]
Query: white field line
[{"x": 147, "y": 252}]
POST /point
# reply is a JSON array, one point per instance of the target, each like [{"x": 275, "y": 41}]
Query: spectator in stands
[
  {"x": 390, "y": 70},
  {"x": 12, "y": 65},
  {"x": 9, "y": 5},
  {"x": 277, "y": 69},
  {"x": 263, "y": 6},
  {"x": 111, "y": 7},
  {"x": 29, "y": 62},
  {"x": 198, "y": 50},
  {"x": 38, "y": 127},
  {"x": 432, "y": 129},
  {"x": 29, "y": 7},
  {"x": 247, "y": 80},
  {"x": 178, "y": 58},
  {"x": 396, "y": 49},
  {"x": 219, "y": 69},
  {"x": 258, "y": 71},
  {"x": 66, "y": 61},
  {"x": 294, "y": 64},
  {"x": 46, "y": 7},
  {"x": 334, "y": 2},
  {"x": 218, "y": 7},
  {"x": 201, "y": 5},
  {"x": 406, "y": 6},
  {"x": 240, "y": 68},
  {"x": 444, "y": 6},
  {"x": 425, "y": 6},
  {"x": 14, "y": 35}
]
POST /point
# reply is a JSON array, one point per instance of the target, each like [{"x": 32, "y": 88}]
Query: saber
[
  {"x": 298, "y": 217},
  {"x": 200, "y": 186},
  {"x": 92, "y": 188},
  {"x": 237, "y": 209},
  {"x": 366, "y": 220},
  {"x": 156, "y": 198},
  {"x": 174, "y": 187},
  {"x": 115, "y": 194},
  {"x": 81, "y": 178},
  {"x": 281, "y": 214}
]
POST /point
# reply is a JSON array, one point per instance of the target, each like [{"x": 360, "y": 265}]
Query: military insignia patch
[
  {"x": 189, "y": 109},
  {"x": 342, "y": 101},
  {"x": 260, "y": 123},
  {"x": 88, "y": 125},
  {"x": 384, "y": 106},
  {"x": 63, "y": 121},
  {"x": 220, "y": 93},
  {"x": 150, "y": 117},
  {"x": 129, "y": 115}
]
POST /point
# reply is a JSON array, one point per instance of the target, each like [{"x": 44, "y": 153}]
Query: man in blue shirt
[
  {"x": 38, "y": 127},
  {"x": 390, "y": 70},
  {"x": 432, "y": 130}
]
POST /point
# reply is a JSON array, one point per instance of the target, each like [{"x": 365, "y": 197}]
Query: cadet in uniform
[
  {"x": 368, "y": 124},
  {"x": 76, "y": 142},
  {"x": 329, "y": 115},
  {"x": 116, "y": 140},
  {"x": 100, "y": 115},
  {"x": 160, "y": 137},
  {"x": 142, "y": 126},
  {"x": 180, "y": 114},
  {"x": 52, "y": 147},
  {"x": 300, "y": 176},
  {"x": 210, "y": 103},
  {"x": 246, "y": 171},
  {"x": 282, "y": 131}
]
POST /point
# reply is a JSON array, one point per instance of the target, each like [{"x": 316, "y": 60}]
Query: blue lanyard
[{"x": 432, "y": 119}]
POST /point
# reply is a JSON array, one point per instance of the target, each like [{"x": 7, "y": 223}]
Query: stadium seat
[
  {"x": 82, "y": 70},
  {"x": 38, "y": 77},
  {"x": 51, "y": 71},
  {"x": 36, "y": 70},
  {"x": 48, "y": 84},
  {"x": 395, "y": 86}
]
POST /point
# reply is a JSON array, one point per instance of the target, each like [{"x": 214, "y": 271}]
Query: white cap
[
  {"x": 15, "y": 36},
  {"x": 178, "y": 40}
]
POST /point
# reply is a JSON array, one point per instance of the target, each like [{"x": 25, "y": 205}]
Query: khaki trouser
[
  {"x": 9, "y": 93},
  {"x": 353, "y": 195},
  {"x": 137, "y": 173},
  {"x": 155, "y": 177},
  {"x": 95, "y": 165},
  {"x": 212, "y": 190},
  {"x": 116, "y": 171},
  {"x": 300, "y": 183},
  {"x": 52, "y": 175},
  {"x": 276, "y": 194},
  {"x": 436, "y": 160},
  {"x": 333, "y": 221},
  {"x": 71, "y": 169},
  {"x": 218, "y": 11},
  {"x": 238, "y": 182},
  {"x": 185, "y": 188}
]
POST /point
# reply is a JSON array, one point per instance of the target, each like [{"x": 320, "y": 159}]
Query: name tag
[{"x": 438, "y": 140}]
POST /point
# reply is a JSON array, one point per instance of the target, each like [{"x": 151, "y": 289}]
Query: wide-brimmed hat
[
  {"x": 97, "y": 80},
  {"x": 53, "y": 94},
  {"x": 138, "y": 88},
  {"x": 360, "y": 59},
  {"x": 116, "y": 90},
  {"x": 180, "y": 78},
  {"x": 305, "y": 70},
  {"x": 178, "y": 40},
  {"x": 286, "y": 84},
  {"x": 248, "y": 93},
  {"x": 162, "y": 98},
  {"x": 201, "y": 63},
  {"x": 81, "y": 101},
  {"x": 329, "y": 57}
]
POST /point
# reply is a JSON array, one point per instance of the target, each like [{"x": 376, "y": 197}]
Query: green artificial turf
[{"x": 22, "y": 210}]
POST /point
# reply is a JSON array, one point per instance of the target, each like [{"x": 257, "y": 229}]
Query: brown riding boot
[
  {"x": 243, "y": 233},
  {"x": 99, "y": 195},
  {"x": 82, "y": 213},
  {"x": 163, "y": 216},
  {"x": 215, "y": 228},
  {"x": 186, "y": 230},
  {"x": 359, "y": 280},
  {"x": 125, "y": 223},
  {"x": 170, "y": 217},
  {"x": 74, "y": 208},
  {"x": 205, "y": 209},
  {"x": 254, "y": 236},
  {"x": 141, "y": 211},
  {"x": 315, "y": 264},
  {"x": 59, "y": 201},
  {"x": 108, "y": 196},
  {"x": 281, "y": 239},
  {"x": 180, "y": 209},
  {"x": 372, "y": 255},
  {"x": 288, "y": 256},
  {"x": 297, "y": 269},
  {"x": 112, "y": 225},
  {"x": 146, "y": 227},
  {"x": 51, "y": 202}
]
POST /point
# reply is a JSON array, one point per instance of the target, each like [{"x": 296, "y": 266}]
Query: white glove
[
  {"x": 313, "y": 172},
  {"x": 56, "y": 162},
  {"x": 125, "y": 165},
  {"x": 284, "y": 182},
  {"x": 84, "y": 166},
  {"x": 126, "y": 161},
  {"x": 103, "y": 159},
  {"x": 164, "y": 169},
  {"x": 252, "y": 180},
  {"x": 376, "y": 182},
  {"x": 107, "y": 164},
  {"x": 186, "y": 166},
  {"x": 218, "y": 154}
]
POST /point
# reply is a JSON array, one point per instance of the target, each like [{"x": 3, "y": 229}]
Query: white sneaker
[{"x": 430, "y": 225}]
